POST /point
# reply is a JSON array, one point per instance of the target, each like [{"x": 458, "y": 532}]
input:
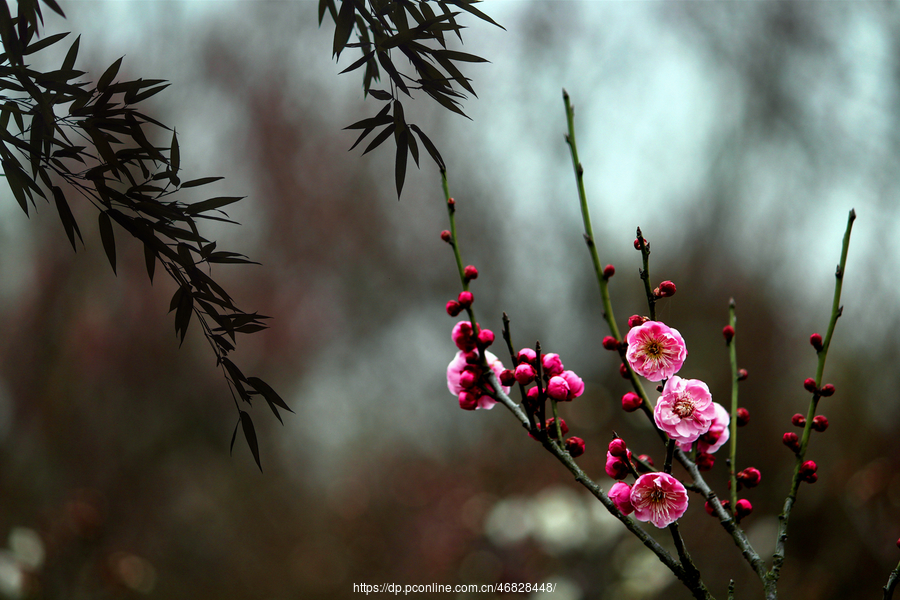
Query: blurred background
[{"x": 736, "y": 135}]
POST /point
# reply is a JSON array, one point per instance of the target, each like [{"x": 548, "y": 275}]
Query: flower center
[
  {"x": 683, "y": 407},
  {"x": 654, "y": 349}
]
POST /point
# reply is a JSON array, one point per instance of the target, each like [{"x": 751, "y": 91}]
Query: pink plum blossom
[
  {"x": 655, "y": 350},
  {"x": 717, "y": 435},
  {"x": 658, "y": 498},
  {"x": 474, "y": 395},
  {"x": 525, "y": 374},
  {"x": 685, "y": 410},
  {"x": 620, "y": 494}
]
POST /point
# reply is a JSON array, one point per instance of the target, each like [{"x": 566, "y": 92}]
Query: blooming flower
[
  {"x": 655, "y": 350},
  {"x": 620, "y": 494},
  {"x": 717, "y": 435},
  {"x": 685, "y": 410},
  {"x": 658, "y": 498},
  {"x": 474, "y": 398}
]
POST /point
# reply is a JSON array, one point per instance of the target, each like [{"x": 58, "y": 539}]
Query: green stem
[
  {"x": 732, "y": 355},
  {"x": 451, "y": 211},
  {"x": 891, "y": 583},
  {"x": 586, "y": 218},
  {"x": 836, "y": 310}
]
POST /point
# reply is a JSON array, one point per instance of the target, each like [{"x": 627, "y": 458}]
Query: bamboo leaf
[
  {"x": 250, "y": 435},
  {"x": 108, "y": 239}
]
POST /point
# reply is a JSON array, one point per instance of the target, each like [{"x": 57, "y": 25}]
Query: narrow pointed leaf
[
  {"x": 54, "y": 7},
  {"x": 343, "y": 26},
  {"x": 250, "y": 435},
  {"x": 199, "y": 182},
  {"x": 432, "y": 150},
  {"x": 108, "y": 75},
  {"x": 65, "y": 215},
  {"x": 211, "y": 204},
  {"x": 108, "y": 239},
  {"x": 150, "y": 260}
]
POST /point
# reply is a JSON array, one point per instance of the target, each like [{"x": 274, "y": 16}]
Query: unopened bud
[
  {"x": 644, "y": 458},
  {"x": 637, "y": 242},
  {"x": 809, "y": 384},
  {"x": 525, "y": 374},
  {"x": 551, "y": 427},
  {"x": 820, "y": 423},
  {"x": 618, "y": 448},
  {"x": 743, "y": 417},
  {"x": 631, "y": 402},
  {"x": 526, "y": 355},
  {"x": 623, "y": 371},
  {"x": 808, "y": 468},
  {"x": 742, "y": 374},
  {"x": 507, "y": 377},
  {"x": 467, "y": 379},
  {"x": 750, "y": 477},
  {"x": 798, "y": 420},
  {"x": 446, "y": 236},
  {"x": 575, "y": 446},
  {"x": 666, "y": 289},
  {"x": 470, "y": 273},
  {"x": 816, "y": 341},
  {"x": 465, "y": 299},
  {"x": 485, "y": 337},
  {"x": 636, "y": 320},
  {"x": 791, "y": 440},
  {"x": 610, "y": 343},
  {"x": 468, "y": 400},
  {"x": 451, "y": 202},
  {"x": 742, "y": 509},
  {"x": 827, "y": 390},
  {"x": 453, "y": 308},
  {"x": 728, "y": 333},
  {"x": 705, "y": 461},
  {"x": 608, "y": 271}
]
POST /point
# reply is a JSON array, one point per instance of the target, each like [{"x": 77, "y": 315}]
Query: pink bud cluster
[
  {"x": 466, "y": 377},
  {"x": 557, "y": 383}
]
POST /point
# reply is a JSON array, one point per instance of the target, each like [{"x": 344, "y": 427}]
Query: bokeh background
[{"x": 736, "y": 135}]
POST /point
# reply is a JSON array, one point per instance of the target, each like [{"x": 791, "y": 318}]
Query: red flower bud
[
  {"x": 451, "y": 202},
  {"x": 742, "y": 374},
  {"x": 631, "y": 402},
  {"x": 637, "y": 243},
  {"x": 810, "y": 384},
  {"x": 485, "y": 337},
  {"x": 644, "y": 457},
  {"x": 728, "y": 333},
  {"x": 453, "y": 308},
  {"x": 470, "y": 273},
  {"x": 742, "y": 509},
  {"x": 618, "y": 448},
  {"x": 623, "y": 371},
  {"x": 798, "y": 420},
  {"x": 446, "y": 236},
  {"x": 525, "y": 373},
  {"x": 636, "y": 320},
  {"x": 467, "y": 378},
  {"x": 507, "y": 377},
  {"x": 816, "y": 341},
  {"x": 820, "y": 423},
  {"x": 808, "y": 468},
  {"x": 750, "y": 477},
  {"x": 827, "y": 390},
  {"x": 666, "y": 289},
  {"x": 608, "y": 271},
  {"x": 705, "y": 461},
  {"x": 468, "y": 400},
  {"x": 791, "y": 440},
  {"x": 551, "y": 427},
  {"x": 610, "y": 343},
  {"x": 575, "y": 446},
  {"x": 743, "y": 416},
  {"x": 465, "y": 299}
]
